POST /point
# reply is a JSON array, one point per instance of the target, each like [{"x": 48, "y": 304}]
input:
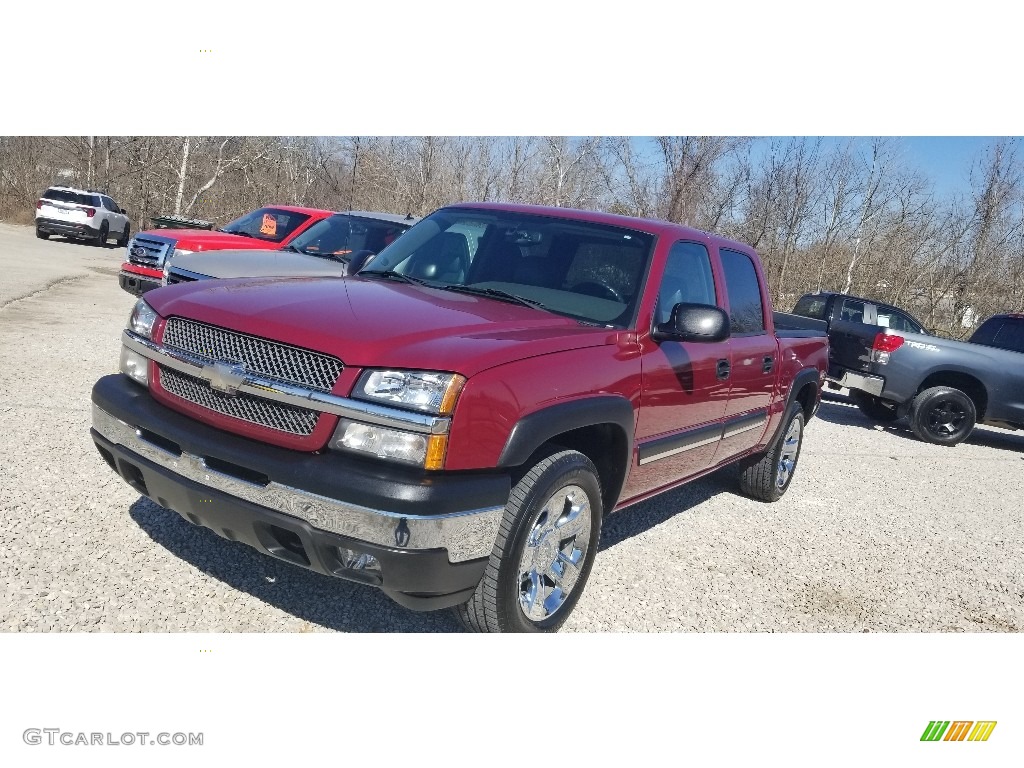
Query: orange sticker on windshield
[{"x": 269, "y": 226}]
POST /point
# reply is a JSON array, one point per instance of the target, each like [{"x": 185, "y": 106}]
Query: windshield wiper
[
  {"x": 240, "y": 234},
  {"x": 391, "y": 274},
  {"x": 494, "y": 293},
  {"x": 293, "y": 248}
]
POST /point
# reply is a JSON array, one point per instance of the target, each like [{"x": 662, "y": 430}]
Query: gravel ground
[{"x": 878, "y": 533}]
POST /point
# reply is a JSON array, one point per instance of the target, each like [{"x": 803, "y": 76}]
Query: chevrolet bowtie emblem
[{"x": 224, "y": 377}]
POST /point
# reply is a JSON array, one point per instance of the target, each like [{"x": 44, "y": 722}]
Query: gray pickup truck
[{"x": 945, "y": 387}]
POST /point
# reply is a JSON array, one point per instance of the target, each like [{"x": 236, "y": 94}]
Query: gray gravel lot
[{"x": 879, "y": 532}]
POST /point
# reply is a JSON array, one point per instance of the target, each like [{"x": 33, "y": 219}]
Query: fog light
[
  {"x": 409, "y": 447},
  {"x": 134, "y": 366},
  {"x": 357, "y": 561}
]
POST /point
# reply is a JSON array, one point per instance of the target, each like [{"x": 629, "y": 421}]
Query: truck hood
[
  {"x": 207, "y": 240},
  {"x": 258, "y": 263},
  {"x": 379, "y": 323}
]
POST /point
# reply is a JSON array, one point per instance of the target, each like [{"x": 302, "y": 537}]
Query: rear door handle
[
  {"x": 722, "y": 369},
  {"x": 769, "y": 362}
]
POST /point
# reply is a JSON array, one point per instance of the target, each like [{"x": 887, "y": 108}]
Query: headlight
[
  {"x": 142, "y": 319},
  {"x": 167, "y": 262},
  {"x": 419, "y": 390},
  {"x": 426, "y": 451}
]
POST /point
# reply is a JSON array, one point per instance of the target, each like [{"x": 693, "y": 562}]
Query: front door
[{"x": 684, "y": 388}]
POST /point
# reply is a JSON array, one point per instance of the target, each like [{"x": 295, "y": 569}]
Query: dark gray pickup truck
[{"x": 945, "y": 387}]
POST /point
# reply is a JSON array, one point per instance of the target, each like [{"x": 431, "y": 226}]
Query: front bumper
[
  {"x": 71, "y": 228},
  {"x": 431, "y": 533},
  {"x": 137, "y": 284}
]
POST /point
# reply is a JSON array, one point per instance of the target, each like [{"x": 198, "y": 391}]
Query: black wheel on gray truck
[
  {"x": 942, "y": 415},
  {"x": 42, "y": 235},
  {"x": 544, "y": 551},
  {"x": 875, "y": 408},
  {"x": 768, "y": 477}
]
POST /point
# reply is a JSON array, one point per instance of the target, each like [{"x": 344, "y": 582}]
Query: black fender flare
[
  {"x": 803, "y": 378},
  {"x": 537, "y": 428}
]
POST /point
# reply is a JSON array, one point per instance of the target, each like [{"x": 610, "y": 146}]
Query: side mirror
[
  {"x": 694, "y": 322},
  {"x": 358, "y": 260}
]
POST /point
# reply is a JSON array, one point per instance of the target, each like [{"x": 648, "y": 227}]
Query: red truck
[
  {"x": 272, "y": 227},
  {"x": 452, "y": 423}
]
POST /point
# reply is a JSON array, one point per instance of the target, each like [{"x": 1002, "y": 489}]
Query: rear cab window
[
  {"x": 746, "y": 310},
  {"x": 1001, "y": 332},
  {"x": 811, "y": 306}
]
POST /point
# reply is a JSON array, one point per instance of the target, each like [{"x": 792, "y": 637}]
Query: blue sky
[{"x": 946, "y": 160}]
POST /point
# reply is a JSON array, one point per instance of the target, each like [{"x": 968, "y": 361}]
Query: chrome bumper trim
[
  {"x": 873, "y": 385},
  {"x": 285, "y": 393},
  {"x": 465, "y": 535}
]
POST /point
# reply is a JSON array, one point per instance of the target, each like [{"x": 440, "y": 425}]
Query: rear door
[
  {"x": 684, "y": 395},
  {"x": 753, "y": 353}
]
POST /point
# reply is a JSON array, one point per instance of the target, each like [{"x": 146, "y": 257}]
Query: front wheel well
[
  {"x": 604, "y": 444},
  {"x": 966, "y": 383}
]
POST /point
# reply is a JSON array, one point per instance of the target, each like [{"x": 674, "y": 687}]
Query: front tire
[
  {"x": 768, "y": 477},
  {"x": 874, "y": 408},
  {"x": 122, "y": 241},
  {"x": 943, "y": 416},
  {"x": 545, "y": 549}
]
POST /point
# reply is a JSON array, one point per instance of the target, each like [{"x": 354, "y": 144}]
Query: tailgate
[
  {"x": 62, "y": 211},
  {"x": 849, "y": 345}
]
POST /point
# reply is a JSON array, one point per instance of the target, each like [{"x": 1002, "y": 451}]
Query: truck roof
[{"x": 651, "y": 226}]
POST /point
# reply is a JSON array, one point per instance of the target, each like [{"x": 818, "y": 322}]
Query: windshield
[
  {"x": 271, "y": 224},
  {"x": 343, "y": 234},
  {"x": 592, "y": 272}
]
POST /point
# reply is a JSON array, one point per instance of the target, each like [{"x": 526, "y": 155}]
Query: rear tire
[
  {"x": 42, "y": 235},
  {"x": 545, "y": 549},
  {"x": 942, "y": 416},
  {"x": 767, "y": 478},
  {"x": 101, "y": 238},
  {"x": 875, "y": 408}
]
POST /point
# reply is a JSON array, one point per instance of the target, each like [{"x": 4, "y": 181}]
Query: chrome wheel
[
  {"x": 788, "y": 453},
  {"x": 554, "y": 552}
]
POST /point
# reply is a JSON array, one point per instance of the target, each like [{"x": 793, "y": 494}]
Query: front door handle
[
  {"x": 722, "y": 369},
  {"x": 769, "y": 362}
]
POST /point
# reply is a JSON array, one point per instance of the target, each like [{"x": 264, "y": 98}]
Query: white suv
[{"x": 80, "y": 213}]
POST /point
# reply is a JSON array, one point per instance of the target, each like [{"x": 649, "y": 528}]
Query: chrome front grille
[
  {"x": 255, "y": 410},
  {"x": 281, "y": 362},
  {"x": 173, "y": 278},
  {"x": 148, "y": 252}
]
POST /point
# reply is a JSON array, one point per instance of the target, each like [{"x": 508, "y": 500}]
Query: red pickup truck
[
  {"x": 272, "y": 227},
  {"x": 452, "y": 423}
]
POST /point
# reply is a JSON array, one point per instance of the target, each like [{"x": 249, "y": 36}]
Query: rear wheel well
[
  {"x": 603, "y": 444},
  {"x": 966, "y": 383},
  {"x": 807, "y": 396}
]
